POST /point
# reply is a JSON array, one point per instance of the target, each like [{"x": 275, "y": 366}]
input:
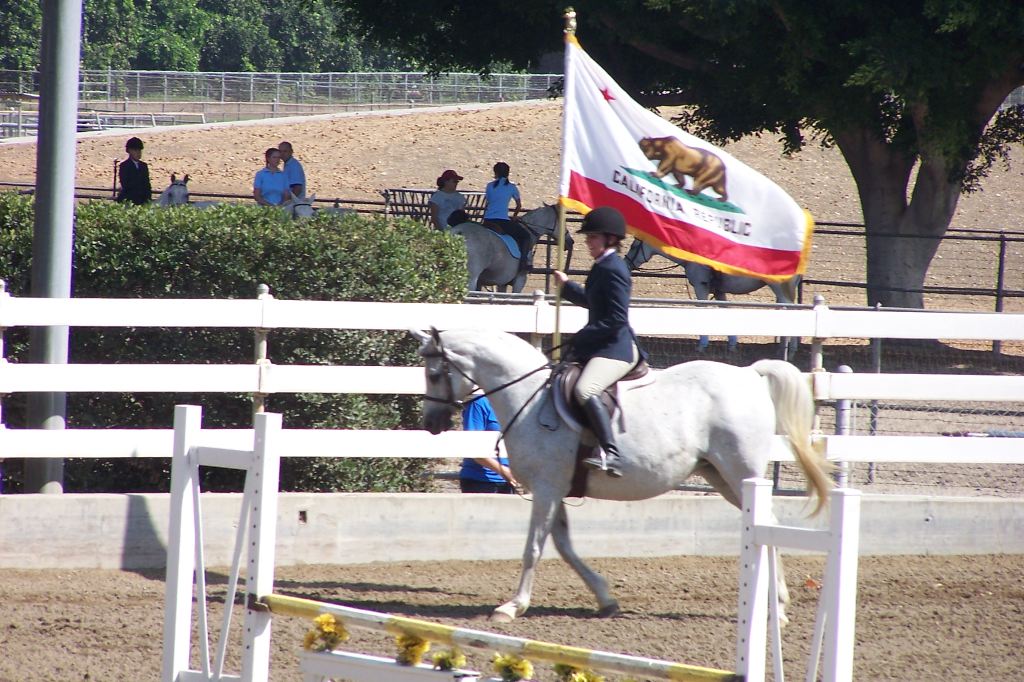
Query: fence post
[
  {"x": 540, "y": 304},
  {"x": 817, "y": 367},
  {"x": 844, "y": 408},
  {"x": 259, "y": 400},
  {"x": 997, "y": 345}
]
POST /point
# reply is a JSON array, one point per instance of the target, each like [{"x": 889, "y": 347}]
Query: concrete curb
[{"x": 130, "y": 531}]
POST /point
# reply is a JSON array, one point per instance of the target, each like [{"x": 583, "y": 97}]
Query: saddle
[{"x": 563, "y": 380}]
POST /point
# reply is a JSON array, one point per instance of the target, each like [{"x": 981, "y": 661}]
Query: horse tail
[{"x": 794, "y": 413}]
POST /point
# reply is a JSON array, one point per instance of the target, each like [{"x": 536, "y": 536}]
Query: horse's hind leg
[
  {"x": 598, "y": 585},
  {"x": 732, "y": 495},
  {"x": 542, "y": 515}
]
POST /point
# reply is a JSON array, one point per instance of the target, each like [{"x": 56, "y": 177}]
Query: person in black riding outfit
[{"x": 607, "y": 345}]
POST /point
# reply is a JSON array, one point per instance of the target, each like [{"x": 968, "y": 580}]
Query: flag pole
[{"x": 556, "y": 354}]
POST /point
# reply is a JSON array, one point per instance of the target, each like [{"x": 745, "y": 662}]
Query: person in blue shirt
[
  {"x": 270, "y": 188},
  {"x": 484, "y": 474},
  {"x": 293, "y": 170},
  {"x": 497, "y": 196}
]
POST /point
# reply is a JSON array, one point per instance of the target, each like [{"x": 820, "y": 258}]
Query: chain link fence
[{"x": 128, "y": 98}]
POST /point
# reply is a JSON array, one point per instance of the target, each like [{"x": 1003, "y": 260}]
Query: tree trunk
[{"x": 902, "y": 237}]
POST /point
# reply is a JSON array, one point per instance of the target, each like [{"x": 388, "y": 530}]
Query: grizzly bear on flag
[{"x": 706, "y": 169}]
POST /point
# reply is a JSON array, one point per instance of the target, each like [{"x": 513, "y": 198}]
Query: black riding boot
[{"x": 609, "y": 460}]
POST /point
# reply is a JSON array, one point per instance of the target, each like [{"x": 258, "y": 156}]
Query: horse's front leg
[
  {"x": 542, "y": 515},
  {"x": 607, "y": 604}
]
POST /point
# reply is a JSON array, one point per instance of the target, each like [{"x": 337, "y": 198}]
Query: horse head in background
[
  {"x": 176, "y": 194},
  {"x": 708, "y": 282},
  {"x": 300, "y": 207},
  {"x": 543, "y": 221}
]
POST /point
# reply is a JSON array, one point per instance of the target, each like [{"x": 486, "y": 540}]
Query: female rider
[
  {"x": 270, "y": 188},
  {"x": 497, "y": 195},
  {"x": 607, "y": 345}
]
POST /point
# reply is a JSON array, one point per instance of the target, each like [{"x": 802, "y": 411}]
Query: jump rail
[{"x": 758, "y": 601}]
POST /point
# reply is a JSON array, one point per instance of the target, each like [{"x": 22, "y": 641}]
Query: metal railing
[{"x": 224, "y": 96}]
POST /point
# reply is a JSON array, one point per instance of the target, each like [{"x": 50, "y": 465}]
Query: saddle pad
[{"x": 510, "y": 244}]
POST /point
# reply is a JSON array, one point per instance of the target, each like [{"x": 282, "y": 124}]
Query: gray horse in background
[
  {"x": 488, "y": 259},
  {"x": 708, "y": 282}
]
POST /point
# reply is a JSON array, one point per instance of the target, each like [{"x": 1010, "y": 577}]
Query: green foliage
[
  {"x": 208, "y": 35},
  {"x": 22, "y": 26},
  {"x": 112, "y": 31},
  {"x": 147, "y": 252}
]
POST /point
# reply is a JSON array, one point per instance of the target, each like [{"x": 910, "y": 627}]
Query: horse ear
[
  {"x": 436, "y": 335},
  {"x": 420, "y": 336},
  {"x": 185, "y": 180},
  {"x": 174, "y": 178}
]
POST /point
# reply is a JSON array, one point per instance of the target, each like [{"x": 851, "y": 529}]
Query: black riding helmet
[{"x": 604, "y": 220}]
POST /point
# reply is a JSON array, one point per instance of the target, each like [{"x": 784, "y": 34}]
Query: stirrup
[{"x": 600, "y": 463}]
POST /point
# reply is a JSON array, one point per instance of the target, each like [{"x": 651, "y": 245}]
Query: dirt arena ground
[
  {"x": 357, "y": 156},
  {"x": 918, "y": 618}
]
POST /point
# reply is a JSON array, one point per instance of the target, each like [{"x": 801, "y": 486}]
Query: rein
[{"x": 446, "y": 367}]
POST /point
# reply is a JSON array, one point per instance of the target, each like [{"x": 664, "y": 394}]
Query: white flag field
[{"x": 679, "y": 193}]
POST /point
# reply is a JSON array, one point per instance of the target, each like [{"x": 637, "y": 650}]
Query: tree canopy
[
  {"x": 910, "y": 92},
  {"x": 207, "y": 35}
]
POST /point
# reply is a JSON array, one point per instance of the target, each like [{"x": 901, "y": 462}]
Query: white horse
[
  {"x": 488, "y": 259},
  {"x": 702, "y": 417},
  {"x": 176, "y": 194},
  {"x": 708, "y": 282}
]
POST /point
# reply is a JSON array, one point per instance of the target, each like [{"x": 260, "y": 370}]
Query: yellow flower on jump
[
  {"x": 568, "y": 673},
  {"x": 326, "y": 635},
  {"x": 512, "y": 668},
  {"x": 410, "y": 649},
  {"x": 449, "y": 660}
]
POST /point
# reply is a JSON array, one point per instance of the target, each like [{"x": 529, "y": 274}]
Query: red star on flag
[{"x": 606, "y": 94}]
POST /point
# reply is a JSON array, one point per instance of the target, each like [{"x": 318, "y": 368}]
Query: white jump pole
[
  {"x": 185, "y": 560},
  {"x": 834, "y": 624}
]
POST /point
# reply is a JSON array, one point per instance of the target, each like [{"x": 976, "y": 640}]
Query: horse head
[
  {"x": 300, "y": 207},
  {"x": 176, "y": 193},
  {"x": 448, "y": 385}
]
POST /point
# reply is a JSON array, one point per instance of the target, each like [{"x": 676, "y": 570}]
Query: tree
[
  {"x": 111, "y": 33},
  {"x": 22, "y": 22},
  {"x": 910, "y": 92}
]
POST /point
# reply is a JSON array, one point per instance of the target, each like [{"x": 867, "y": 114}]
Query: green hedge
[{"x": 225, "y": 252}]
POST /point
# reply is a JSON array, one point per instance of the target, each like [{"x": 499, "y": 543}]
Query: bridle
[{"x": 447, "y": 366}]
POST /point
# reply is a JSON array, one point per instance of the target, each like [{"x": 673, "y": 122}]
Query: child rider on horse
[{"x": 607, "y": 345}]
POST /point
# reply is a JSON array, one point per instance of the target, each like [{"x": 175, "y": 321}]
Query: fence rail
[{"x": 263, "y": 377}]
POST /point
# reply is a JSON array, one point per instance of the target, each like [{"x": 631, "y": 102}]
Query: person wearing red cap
[
  {"x": 445, "y": 200},
  {"x": 606, "y": 345}
]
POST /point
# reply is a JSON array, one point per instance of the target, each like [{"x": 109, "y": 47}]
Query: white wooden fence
[{"x": 262, "y": 377}]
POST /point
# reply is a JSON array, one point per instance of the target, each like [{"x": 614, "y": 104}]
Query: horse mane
[{"x": 509, "y": 347}]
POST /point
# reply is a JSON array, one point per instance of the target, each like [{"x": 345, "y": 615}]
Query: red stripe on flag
[{"x": 683, "y": 238}]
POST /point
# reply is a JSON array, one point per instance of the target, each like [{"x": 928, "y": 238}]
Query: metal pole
[
  {"x": 52, "y": 240},
  {"x": 844, "y": 409},
  {"x": 997, "y": 345}
]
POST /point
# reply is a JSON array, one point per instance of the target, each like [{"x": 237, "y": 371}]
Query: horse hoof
[
  {"x": 503, "y": 614},
  {"x": 609, "y": 610}
]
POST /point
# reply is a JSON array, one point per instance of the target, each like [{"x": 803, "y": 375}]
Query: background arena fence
[
  {"x": 125, "y": 97},
  {"x": 758, "y": 600}
]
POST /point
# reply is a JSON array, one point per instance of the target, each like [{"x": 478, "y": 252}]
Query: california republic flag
[{"x": 678, "y": 192}]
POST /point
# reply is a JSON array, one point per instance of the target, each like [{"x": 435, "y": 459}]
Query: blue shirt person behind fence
[{"x": 484, "y": 474}]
